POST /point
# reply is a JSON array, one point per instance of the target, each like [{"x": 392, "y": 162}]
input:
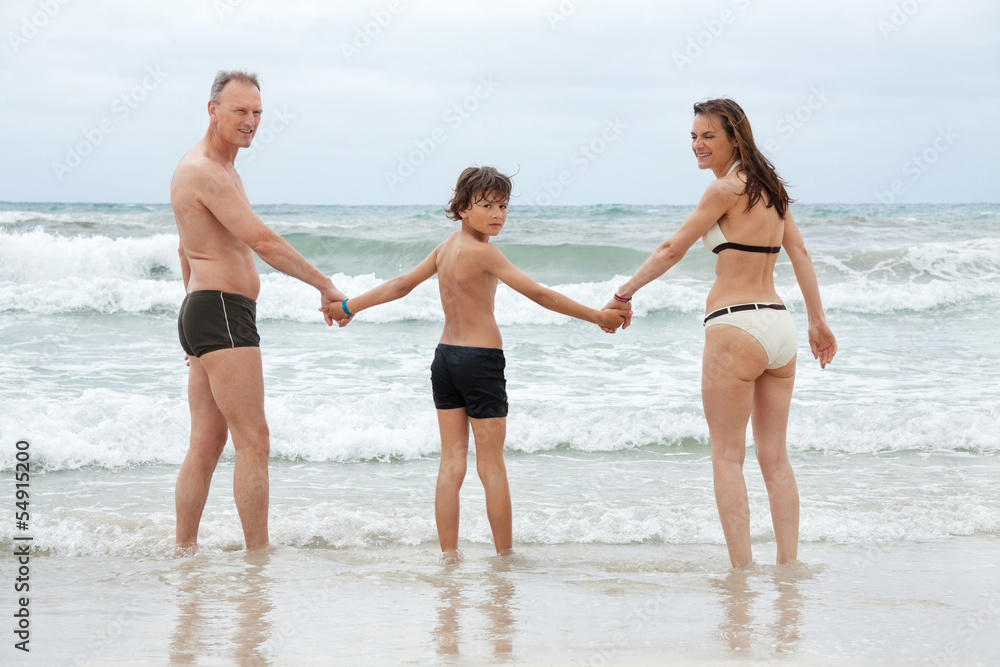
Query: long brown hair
[{"x": 761, "y": 175}]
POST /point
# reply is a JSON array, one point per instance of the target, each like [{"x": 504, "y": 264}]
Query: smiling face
[
  {"x": 237, "y": 113},
  {"x": 713, "y": 149},
  {"x": 486, "y": 214}
]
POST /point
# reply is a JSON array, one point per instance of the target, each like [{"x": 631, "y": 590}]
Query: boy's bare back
[{"x": 468, "y": 291}]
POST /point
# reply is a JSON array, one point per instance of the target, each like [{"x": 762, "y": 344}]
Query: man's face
[{"x": 237, "y": 113}]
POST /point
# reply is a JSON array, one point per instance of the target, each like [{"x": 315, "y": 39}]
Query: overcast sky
[{"x": 386, "y": 101}]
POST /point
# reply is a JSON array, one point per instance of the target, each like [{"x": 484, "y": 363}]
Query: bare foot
[
  {"x": 451, "y": 557},
  {"x": 185, "y": 550}
]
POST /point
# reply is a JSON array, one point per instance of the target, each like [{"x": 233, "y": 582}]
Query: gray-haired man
[{"x": 219, "y": 234}]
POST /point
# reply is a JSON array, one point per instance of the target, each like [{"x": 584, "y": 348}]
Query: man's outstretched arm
[{"x": 220, "y": 195}]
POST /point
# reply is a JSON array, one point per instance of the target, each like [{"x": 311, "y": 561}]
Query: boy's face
[{"x": 486, "y": 214}]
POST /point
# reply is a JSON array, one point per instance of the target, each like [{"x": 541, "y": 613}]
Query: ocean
[{"x": 621, "y": 558}]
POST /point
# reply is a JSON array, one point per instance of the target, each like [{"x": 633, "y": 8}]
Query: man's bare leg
[
  {"x": 490, "y": 435},
  {"x": 454, "y": 427},
  {"x": 208, "y": 439},
  {"x": 237, "y": 381}
]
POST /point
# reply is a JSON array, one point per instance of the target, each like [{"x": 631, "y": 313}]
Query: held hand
[
  {"x": 334, "y": 312},
  {"x": 610, "y": 319},
  {"x": 331, "y": 296},
  {"x": 822, "y": 342},
  {"x": 615, "y": 304}
]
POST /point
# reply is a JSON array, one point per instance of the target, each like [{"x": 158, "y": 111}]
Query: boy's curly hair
[{"x": 476, "y": 184}]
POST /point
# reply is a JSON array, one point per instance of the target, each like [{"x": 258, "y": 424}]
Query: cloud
[{"x": 361, "y": 85}]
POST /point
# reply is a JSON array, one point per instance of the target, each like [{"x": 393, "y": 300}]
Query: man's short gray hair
[{"x": 225, "y": 76}]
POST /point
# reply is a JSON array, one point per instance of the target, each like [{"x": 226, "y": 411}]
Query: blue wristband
[{"x": 343, "y": 307}]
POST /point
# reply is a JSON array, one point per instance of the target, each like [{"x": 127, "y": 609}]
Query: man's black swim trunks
[
  {"x": 470, "y": 378},
  {"x": 211, "y": 320}
]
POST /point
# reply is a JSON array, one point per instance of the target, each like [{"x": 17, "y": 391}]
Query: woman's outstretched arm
[{"x": 718, "y": 198}]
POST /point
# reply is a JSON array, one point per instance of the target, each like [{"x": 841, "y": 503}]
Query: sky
[{"x": 588, "y": 101}]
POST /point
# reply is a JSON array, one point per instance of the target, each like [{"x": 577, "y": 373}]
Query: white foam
[
  {"x": 36, "y": 256},
  {"x": 115, "y": 429},
  {"x": 335, "y": 518},
  {"x": 44, "y": 273}
]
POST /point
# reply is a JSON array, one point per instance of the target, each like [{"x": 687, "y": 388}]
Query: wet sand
[{"x": 888, "y": 604}]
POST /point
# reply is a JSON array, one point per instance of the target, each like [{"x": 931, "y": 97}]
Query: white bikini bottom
[{"x": 773, "y": 329}]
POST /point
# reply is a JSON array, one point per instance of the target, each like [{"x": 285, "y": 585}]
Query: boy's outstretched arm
[
  {"x": 496, "y": 263},
  {"x": 390, "y": 290}
]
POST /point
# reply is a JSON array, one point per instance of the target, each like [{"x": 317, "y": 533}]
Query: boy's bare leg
[
  {"x": 454, "y": 427},
  {"x": 237, "y": 381},
  {"x": 490, "y": 435},
  {"x": 208, "y": 439}
]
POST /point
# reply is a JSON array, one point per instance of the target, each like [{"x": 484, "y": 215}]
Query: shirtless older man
[{"x": 219, "y": 234}]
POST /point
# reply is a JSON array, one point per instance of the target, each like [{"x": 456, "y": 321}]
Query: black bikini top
[{"x": 716, "y": 241}]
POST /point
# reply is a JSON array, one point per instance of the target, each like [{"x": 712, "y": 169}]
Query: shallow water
[{"x": 895, "y": 447}]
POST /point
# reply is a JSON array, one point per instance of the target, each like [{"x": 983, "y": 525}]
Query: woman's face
[{"x": 710, "y": 144}]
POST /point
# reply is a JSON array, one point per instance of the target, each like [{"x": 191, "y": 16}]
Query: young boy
[{"x": 467, "y": 374}]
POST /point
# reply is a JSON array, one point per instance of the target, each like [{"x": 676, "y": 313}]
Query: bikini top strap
[{"x": 770, "y": 250}]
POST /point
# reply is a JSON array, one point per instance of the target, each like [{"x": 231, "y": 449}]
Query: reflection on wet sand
[
  {"x": 788, "y": 607},
  {"x": 500, "y": 619},
  {"x": 450, "y": 602},
  {"x": 208, "y": 598},
  {"x": 739, "y": 591},
  {"x": 737, "y": 623},
  {"x": 495, "y": 592}
]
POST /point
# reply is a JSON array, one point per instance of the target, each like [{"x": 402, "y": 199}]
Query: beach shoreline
[{"x": 891, "y": 603}]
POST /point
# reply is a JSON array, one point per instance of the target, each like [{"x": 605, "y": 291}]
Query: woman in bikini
[{"x": 748, "y": 367}]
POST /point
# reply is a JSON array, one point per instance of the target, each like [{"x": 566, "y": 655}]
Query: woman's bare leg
[
  {"x": 772, "y": 400},
  {"x": 732, "y": 361}
]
